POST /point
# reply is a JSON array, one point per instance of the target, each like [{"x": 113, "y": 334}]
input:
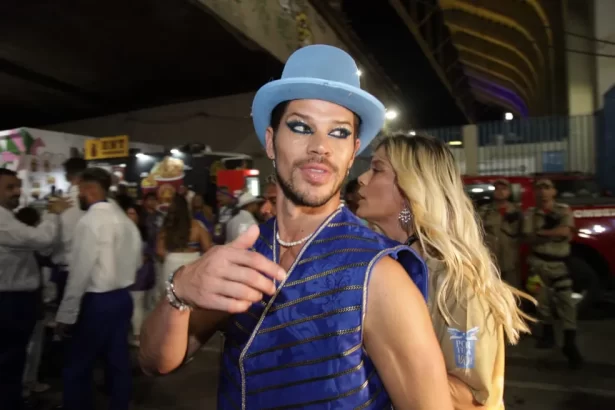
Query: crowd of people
[
  {"x": 91, "y": 268},
  {"x": 392, "y": 300}
]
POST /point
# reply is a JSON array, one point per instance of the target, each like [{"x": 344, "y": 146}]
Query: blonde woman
[{"x": 413, "y": 193}]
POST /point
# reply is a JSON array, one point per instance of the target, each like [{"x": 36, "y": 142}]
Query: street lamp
[
  {"x": 508, "y": 116},
  {"x": 390, "y": 114}
]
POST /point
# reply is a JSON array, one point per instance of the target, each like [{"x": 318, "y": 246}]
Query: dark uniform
[
  {"x": 502, "y": 233},
  {"x": 548, "y": 259}
]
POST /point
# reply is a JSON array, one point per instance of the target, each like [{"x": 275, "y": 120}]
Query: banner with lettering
[{"x": 107, "y": 147}]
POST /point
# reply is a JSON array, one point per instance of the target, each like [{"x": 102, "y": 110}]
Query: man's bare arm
[
  {"x": 226, "y": 280},
  {"x": 169, "y": 336},
  {"x": 400, "y": 339}
]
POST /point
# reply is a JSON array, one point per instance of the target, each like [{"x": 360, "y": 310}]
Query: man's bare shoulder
[{"x": 389, "y": 276}]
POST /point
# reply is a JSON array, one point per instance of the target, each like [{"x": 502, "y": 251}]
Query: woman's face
[
  {"x": 379, "y": 197},
  {"x": 132, "y": 214},
  {"x": 197, "y": 202}
]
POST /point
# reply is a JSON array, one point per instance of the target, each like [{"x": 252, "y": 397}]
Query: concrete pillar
[
  {"x": 581, "y": 68},
  {"x": 582, "y": 90},
  {"x": 604, "y": 12},
  {"x": 470, "y": 148}
]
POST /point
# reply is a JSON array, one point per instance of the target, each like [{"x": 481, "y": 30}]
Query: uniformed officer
[
  {"x": 503, "y": 220},
  {"x": 549, "y": 228}
]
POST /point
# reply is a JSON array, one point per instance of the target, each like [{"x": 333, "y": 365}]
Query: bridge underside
[
  {"x": 465, "y": 60},
  {"x": 445, "y": 62},
  {"x": 66, "y": 60}
]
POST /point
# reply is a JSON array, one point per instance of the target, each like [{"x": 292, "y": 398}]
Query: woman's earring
[
  {"x": 405, "y": 217},
  {"x": 273, "y": 161}
]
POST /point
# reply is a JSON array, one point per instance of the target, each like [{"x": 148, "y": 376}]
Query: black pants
[{"x": 18, "y": 315}]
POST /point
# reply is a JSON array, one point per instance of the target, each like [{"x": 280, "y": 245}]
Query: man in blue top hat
[{"x": 318, "y": 310}]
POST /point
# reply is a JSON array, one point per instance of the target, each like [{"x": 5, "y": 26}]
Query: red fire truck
[{"x": 592, "y": 262}]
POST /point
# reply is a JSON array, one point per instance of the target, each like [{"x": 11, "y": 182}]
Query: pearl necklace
[
  {"x": 291, "y": 244},
  {"x": 298, "y": 242}
]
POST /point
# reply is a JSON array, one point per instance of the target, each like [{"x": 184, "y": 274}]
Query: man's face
[
  {"x": 545, "y": 192},
  {"x": 254, "y": 209},
  {"x": 266, "y": 211},
  {"x": 150, "y": 203},
  {"x": 502, "y": 192},
  {"x": 85, "y": 195},
  {"x": 314, "y": 148},
  {"x": 10, "y": 191},
  {"x": 271, "y": 195},
  {"x": 223, "y": 197}
]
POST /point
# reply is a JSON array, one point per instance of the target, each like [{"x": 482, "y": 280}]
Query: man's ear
[
  {"x": 269, "y": 148},
  {"x": 357, "y": 146}
]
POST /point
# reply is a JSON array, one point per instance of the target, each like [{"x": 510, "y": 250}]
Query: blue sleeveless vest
[{"x": 303, "y": 347}]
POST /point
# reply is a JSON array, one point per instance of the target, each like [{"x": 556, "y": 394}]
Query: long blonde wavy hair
[{"x": 449, "y": 230}]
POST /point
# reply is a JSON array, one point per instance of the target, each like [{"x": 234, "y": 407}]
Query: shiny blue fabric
[{"x": 303, "y": 348}]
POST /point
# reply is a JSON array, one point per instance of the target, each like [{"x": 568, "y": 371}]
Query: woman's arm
[
  {"x": 161, "y": 249},
  {"x": 473, "y": 348},
  {"x": 204, "y": 238}
]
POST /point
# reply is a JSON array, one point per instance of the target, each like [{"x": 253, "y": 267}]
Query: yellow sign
[{"x": 107, "y": 147}]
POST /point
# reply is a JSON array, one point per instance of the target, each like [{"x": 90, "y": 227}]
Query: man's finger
[
  {"x": 257, "y": 262},
  {"x": 224, "y": 304},
  {"x": 247, "y": 239},
  {"x": 236, "y": 290},
  {"x": 252, "y": 278}
]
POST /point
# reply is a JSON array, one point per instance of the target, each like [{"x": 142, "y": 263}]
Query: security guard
[
  {"x": 503, "y": 221},
  {"x": 549, "y": 229}
]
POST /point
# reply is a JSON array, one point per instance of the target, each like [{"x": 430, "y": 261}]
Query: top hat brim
[{"x": 366, "y": 106}]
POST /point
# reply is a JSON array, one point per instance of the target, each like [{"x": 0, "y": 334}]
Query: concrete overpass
[
  {"x": 69, "y": 60},
  {"x": 439, "y": 62}
]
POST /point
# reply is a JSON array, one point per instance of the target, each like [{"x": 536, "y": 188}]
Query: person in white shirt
[
  {"x": 73, "y": 167},
  {"x": 225, "y": 201},
  {"x": 19, "y": 282},
  {"x": 247, "y": 209},
  {"x": 97, "y": 307}
]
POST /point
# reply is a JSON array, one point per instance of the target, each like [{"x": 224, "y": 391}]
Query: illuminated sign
[
  {"x": 107, "y": 147},
  {"x": 594, "y": 213}
]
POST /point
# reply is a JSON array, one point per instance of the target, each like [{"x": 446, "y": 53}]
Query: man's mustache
[{"x": 317, "y": 160}]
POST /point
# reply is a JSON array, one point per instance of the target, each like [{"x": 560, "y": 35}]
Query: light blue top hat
[{"x": 320, "y": 72}]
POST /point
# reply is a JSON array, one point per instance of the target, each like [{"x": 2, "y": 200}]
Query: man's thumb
[{"x": 246, "y": 240}]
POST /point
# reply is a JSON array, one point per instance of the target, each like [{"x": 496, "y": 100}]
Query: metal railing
[
  {"x": 525, "y": 146},
  {"x": 519, "y": 147}
]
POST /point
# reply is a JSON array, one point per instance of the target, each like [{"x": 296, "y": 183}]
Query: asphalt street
[{"x": 535, "y": 380}]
